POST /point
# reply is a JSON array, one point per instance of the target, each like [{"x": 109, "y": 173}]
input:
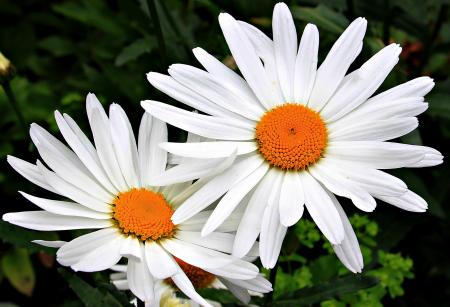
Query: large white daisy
[
  {"x": 108, "y": 189},
  {"x": 302, "y": 133}
]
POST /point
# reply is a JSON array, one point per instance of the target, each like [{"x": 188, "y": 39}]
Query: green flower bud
[{"x": 6, "y": 69}]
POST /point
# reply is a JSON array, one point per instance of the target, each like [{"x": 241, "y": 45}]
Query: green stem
[
  {"x": 157, "y": 26},
  {"x": 13, "y": 102},
  {"x": 272, "y": 279}
]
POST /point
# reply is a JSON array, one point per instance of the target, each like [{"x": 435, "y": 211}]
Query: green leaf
[
  {"x": 58, "y": 46},
  {"x": 89, "y": 295},
  {"x": 321, "y": 16},
  {"x": 135, "y": 50},
  {"x": 17, "y": 267},
  {"x": 321, "y": 292}
]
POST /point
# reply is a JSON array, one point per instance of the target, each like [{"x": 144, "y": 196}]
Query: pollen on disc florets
[
  {"x": 291, "y": 136},
  {"x": 144, "y": 214},
  {"x": 199, "y": 278}
]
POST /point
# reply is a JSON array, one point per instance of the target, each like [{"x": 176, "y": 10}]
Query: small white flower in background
[
  {"x": 108, "y": 189},
  {"x": 165, "y": 290},
  {"x": 302, "y": 133}
]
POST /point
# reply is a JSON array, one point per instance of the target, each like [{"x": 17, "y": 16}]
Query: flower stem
[
  {"x": 272, "y": 279},
  {"x": 158, "y": 30},
  {"x": 13, "y": 102}
]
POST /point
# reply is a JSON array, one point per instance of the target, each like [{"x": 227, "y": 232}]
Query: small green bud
[{"x": 6, "y": 69}]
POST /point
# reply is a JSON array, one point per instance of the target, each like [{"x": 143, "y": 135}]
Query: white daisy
[
  {"x": 108, "y": 190},
  {"x": 302, "y": 133},
  {"x": 165, "y": 290}
]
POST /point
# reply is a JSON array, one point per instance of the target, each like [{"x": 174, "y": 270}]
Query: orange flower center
[
  {"x": 199, "y": 278},
  {"x": 144, "y": 214},
  {"x": 291, "y": 136}
]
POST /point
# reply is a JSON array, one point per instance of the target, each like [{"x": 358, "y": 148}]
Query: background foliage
[{"x": 64, "y": 49}]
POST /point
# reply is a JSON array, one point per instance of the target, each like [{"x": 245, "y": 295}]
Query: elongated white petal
[
  {"x": 272, "y": 231},
  {"x": 418, "y": 87},
  {"x": 207, "y": 126},
  {"x": 322, "y": 209},
  {"x": 239, "y": 292},
  {"x": 101, "y": 258},
  {"x": 71, "y": 252},
  {"x": 54, "y": 244},
  {"x": 215, "y": 188},
  {"x": 228, "y": 77},
  {"x": 196, "y": 255},
  {"x": 83, "y": 148},
  {"x": 361, "y": 84},
  {"x": 238, "y": 269},
  {"x": 207, "y": 86},
  {"x": 209, "y": 150},
  {"x": 222, "y": 242},
  {"x": 341, "y": 186},
  {"x": 430, "y": 159},
  {"x": 409, "y": 201},
  {"x": 250, "y": 225},
  {"x": 159, "y": 262},
  {"x": 124, "y": 145},
  {"x": 72, "y": 192},
  {"x": 248, "y": 62},
  {"x": 131, "y": 248},
  {"x": 348, "y": 250},
  {"x": 258, "y": 284},
  {"x": 184, "y": 284},
  {"x": 380, "y": 130},
  {"x": 306, "y": 64},
  {"x": 65, "y": 207},
  {"x": 332, "y": 70},
  {"x": 232, "y": 199},
  {"x": 30, "y": 172},
  {"x": 285, "y": 47},
  {"x": 140, "y": 281},
  {"x": 373, "y": 154},
  {"x": 46, "y": 221},
  {"x": 292, "y": 199}
]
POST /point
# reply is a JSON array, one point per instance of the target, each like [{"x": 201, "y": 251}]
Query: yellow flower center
[
  {"x": 199, "y": 278},
  {"x": 291, "y": 136},
  {"x": 144, "y": 214}
]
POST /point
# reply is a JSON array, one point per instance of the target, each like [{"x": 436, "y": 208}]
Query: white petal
[
  {"x": 322, "y": 209},
  {"x": 341, "y": 186},
  {"x": 215, "y": 188},
  {"x": 54, "y": 244},
  {"x": 101, "y": 258},
  {"x": 207, "y": 86},
  {"x": 30, "y": 172},
  {"x": 72, "y": 192},
  {"x": 380, "y": 130},
  {"x": 361, "y": 84},
  {"x": 105, "y": 150},
  {"x": 46, "y": 221},
  {"x": 124, "y": 145},
  {"x": 207, "y": 126},
  {"x": 131, "y": 248},
  {"x": 292, "y": 199},
  {"x": 152, "y": 159},
  {"x": 250, "y": 225},
  {"x": 272, "y": 231},
  {"x": 373, "y": 154},
  {"x": 348, "y": 251},
  {"x": 238, "y": 269},
  {"x": 248, "y": 62},
  {"x": 196, "y": 255},
  {"x": 222, "y": 242},
  {"x": 184, "y": 284},
  {"x": 233, "y": 198},
  {"x": 83, "y": 148},
  {"x": 208, "y": 150},
  {"x": 418, "y": 87},
  {"x": 65, "y": 207},
  {"x": 140, "y": 281},
  {"x": 306, "y": 64},
  {"x": 409, "y": 201},
  {"x": 332, "y": 70},
  {"x": 159, "y": 262},
  {"x": 228, "y": 77},
  {"x": 258, "y": 284},
  {"x": 285, "y": 47},
  {"x": 239, "y": 292},
  {"x": 71, "y": 252}
]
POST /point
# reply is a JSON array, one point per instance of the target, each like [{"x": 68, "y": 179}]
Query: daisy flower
[
  {"x": 107, "y": 189},
  {"x": 165, "y": 290},
  {"x": 303, "y": 133}
]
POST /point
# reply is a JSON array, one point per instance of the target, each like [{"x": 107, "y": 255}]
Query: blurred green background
[{"x": 62, "y": 50}]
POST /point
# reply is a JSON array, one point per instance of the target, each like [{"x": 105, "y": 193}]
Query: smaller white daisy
[{"x": 108, "y": 189}]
